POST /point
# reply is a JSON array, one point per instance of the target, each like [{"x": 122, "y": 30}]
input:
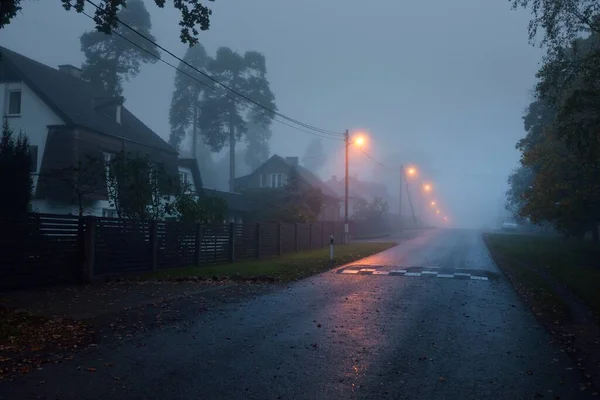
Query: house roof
[
  {"x": 305, "y": 174},
  {"x": 361, "y": 189},
  {"x": 310, "y": 177},
  {"x": 73, "y": 100}
]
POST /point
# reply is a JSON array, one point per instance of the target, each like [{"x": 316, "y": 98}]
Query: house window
[
  {"x": 184, "y": 178},
  {"x": 273, "y": 180},
  {"x": 14, "y": 102}
]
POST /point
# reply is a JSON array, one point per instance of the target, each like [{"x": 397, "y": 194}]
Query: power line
[
  {"x": 211, "y": 87},
  {"x": 374, "y": 160},
  {"x": 295, "y": 121}
]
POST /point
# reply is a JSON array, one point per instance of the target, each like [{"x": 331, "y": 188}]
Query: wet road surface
[{"x": 342, "y": 336}]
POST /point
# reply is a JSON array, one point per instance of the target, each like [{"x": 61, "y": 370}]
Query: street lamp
[
  {"x": 359, "y": 141},
  {"x": 411, "y": 171},
  {"x": 427, "y": 187},
  {"x": 433, "y": 204},
  {"x": 437, "y": 211}
]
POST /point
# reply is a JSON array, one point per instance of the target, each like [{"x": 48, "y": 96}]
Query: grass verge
[
  {"x": 288, "y": 267},
  {"x": 574, "y": 264}
]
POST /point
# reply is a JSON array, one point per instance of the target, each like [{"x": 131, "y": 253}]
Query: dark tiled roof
[
  {"x": 311, "y": 178},
  {"x": 72, "y": 99},
  {"x": 244, "y": 182}
]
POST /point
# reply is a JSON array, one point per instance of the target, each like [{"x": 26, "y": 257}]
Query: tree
[
  {"x": 138, "y": 188},
  {"x": 562, "y": 22},
  {"x": 110, "y": 59},
  {"x": 564, "y": 191},
  {"x": 206, "y": 209},
  {"x": 187, "y": 96},
  {"x": 519, "y": 182},
  {"x": 15, "y": 173},
  {"x": 194, "y": 14},
  {"x": 257, "y": 140},
  {"x": 300, "y": 203},
  {"x": 374, "y": 211},
  {"x": 314, "y": 157},
  {"x": 80, "y": 180},
  {"x": 225, "y": 116}
]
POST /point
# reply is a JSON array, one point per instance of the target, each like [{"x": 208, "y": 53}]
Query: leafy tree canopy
[
  {"x": 109, "y": 59},
  {"x": 15, "y": 173},
  {"x": 184, "y": 112},
  {"x": 195, "y": 15}
]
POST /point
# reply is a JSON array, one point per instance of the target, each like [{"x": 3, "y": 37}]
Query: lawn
[
  {"x": 287, "y": 267},
  {"x": 572, "y": 263}
]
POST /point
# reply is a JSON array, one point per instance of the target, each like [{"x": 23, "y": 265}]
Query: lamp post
[
  {"x": 347, "y": 140},
  {"x": 360, "y": 140}
]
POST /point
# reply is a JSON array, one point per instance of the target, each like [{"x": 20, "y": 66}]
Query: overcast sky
[{"x": 447, "y": 79}]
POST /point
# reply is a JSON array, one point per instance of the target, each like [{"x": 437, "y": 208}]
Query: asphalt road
[{"x": 342, "y": 336}]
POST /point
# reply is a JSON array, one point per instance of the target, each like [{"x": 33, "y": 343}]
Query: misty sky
[{"x": 448, "y": 79}]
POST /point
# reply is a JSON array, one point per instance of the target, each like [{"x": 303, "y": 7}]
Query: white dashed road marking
[{"x": 414, "y": 271}]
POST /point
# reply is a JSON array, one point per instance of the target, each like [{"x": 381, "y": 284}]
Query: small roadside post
[{"x": 331, "y": 248}]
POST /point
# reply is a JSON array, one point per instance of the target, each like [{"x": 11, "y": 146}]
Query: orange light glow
[
  {"x": 359, "y": 141},
  {"x": 433, "y": 204},
  {"x": 437, "y": 211},
  {"x": 412, "y": 171},
  {"x": 427, "y": 187}
]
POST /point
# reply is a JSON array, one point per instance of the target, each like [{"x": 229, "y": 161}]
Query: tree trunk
[
  {"x": 231, "y": 156},
  {"x": 195, "y": 134}
]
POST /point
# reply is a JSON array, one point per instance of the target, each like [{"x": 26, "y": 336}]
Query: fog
[{"x": 438, "y": 83}]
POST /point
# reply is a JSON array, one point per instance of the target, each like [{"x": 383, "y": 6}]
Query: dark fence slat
[{"x": 49, "y": 249}]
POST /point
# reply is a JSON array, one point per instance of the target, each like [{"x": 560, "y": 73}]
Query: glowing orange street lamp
[
  {"x": 358, "y": 140},
  {"x": 411, "y": 171},
  {"x": 433, "y": 204},
  {"x": 437, "y": 211},
  {"x": 427, "y": 187}
]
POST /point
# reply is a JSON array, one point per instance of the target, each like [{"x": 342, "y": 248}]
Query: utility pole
[
  {"x": 347, "y": 140},
  {"x": 400, "y": 192}
]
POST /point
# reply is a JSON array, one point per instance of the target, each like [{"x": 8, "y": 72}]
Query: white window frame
[{"x": 10, "y": 92}]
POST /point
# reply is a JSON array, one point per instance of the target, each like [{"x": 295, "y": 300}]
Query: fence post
[
  {"x": 89, "y": 250},
  {"x": 296, "y": 236},
  {"x": 231, "y": 242},
  {"x": 310, "y": 236},
  {"x": 153, "y": 245},
  {"x": 280, "y": 244},
  {"x": 198, "y": 243},
  {"x": 258, "y": 241}
]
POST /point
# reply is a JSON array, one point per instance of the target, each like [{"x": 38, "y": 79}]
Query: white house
[{"x": 68, "y": 120}]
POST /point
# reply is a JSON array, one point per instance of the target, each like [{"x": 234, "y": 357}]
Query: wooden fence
[{"x": 59, "y": 249}]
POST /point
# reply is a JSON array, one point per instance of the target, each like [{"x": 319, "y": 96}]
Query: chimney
[
  {"x": 292, "y": 160},
  {"x": 70, "y": 70},
  {"x": 119, "y": 108}
]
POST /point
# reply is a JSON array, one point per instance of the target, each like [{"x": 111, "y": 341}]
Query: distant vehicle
[{"x": 509, "y": 226}]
